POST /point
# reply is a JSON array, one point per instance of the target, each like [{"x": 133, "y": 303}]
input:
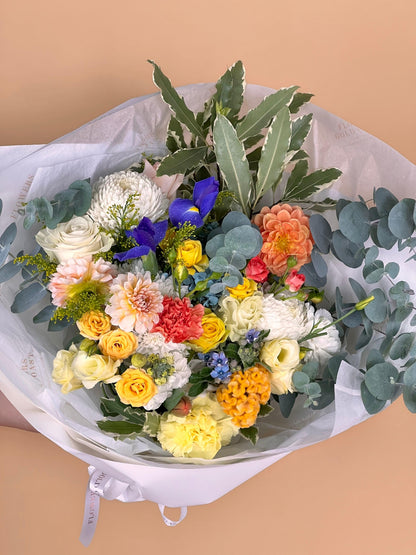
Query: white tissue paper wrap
[{"x": 111, "y": 143}]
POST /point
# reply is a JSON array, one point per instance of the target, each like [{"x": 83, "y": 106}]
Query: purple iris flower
[
  {"x": 147, "y": 236},
  {"x": 194, "y": 211}
]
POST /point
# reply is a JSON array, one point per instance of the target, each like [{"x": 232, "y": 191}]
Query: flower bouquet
[{"x": 211, "y": 291}]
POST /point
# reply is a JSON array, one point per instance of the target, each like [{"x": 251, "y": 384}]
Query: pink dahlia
[
  {"x": 179, "y": 321},
  {"x": 135, "y": 302},
  {"x": 74, "y": 275}
]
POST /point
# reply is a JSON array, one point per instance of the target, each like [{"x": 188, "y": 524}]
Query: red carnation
[
  {"x": 257, "y": 270},
  {"x": 179, "y": 321}
]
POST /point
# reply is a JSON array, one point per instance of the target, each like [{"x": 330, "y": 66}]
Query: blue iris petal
[
  {"x": 183, "y": 210},
  {"x": 147, "y": 235},
  {"x": 135, "y": 252},
  {"x": 160, "y": 230},
  {"x": 205, "y": 194}
]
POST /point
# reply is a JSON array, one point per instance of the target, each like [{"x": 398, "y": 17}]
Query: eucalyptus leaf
[
  {"x": 321, "y": 232},
  {"x": 348, "y": 252},
  {"x": 381, "y": 380},
  {"x": 409, "y": 398},
  {"x": 319, "y": 264},
  {"x": 358, "y": 289},
  {"x": 45, "y": 314},
  {"x": 385, "y": 237},
  {"x": 409, "y": 378},
  {"x": 28, "y": 297},
  {"x": 400, "y": 219},
  {"x": 376, "y": 311},
  {"x": 354, "y": 222},
  {"x": 311, "y": 277},
  {"x": 286, "y": 403},
  {"x": 8, "y": 235},
  {"x": 392, "y": 269},
  {"x": 8, "y": 270},
  {"x": 401, "y": 346},
  {"x": 371, "y": 403},
  {"x": 385, "y": 200}
]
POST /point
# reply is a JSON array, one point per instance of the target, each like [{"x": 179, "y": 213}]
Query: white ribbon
[{"x": 102, "y": 484}]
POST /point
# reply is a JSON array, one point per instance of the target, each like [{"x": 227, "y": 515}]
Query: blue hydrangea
[{"x": 252, "y": 335}]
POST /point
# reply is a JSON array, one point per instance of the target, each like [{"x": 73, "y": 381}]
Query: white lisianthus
[
  {"x": 78, "y": 237},
  {"x": 286, "y": 319},
  {"x": 282, "y": 356},
  {"x": 324, "y": 347},
  {"x": 62, "y": 372},
  {"x": 154, "y": 343},
  {"x": 90, "y": 370},
  {"x": 115, "y": 189},
  {"x": 241, "y": 316}
]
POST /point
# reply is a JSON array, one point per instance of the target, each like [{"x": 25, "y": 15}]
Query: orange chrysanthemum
[
  {"x": 242, "y": 396},
  {"x": 285, "y": 231}
]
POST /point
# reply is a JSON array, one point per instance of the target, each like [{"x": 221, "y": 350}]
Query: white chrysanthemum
[
  {"x": 286, "y": 319},
  {"x": 115, "y": 189},
  {"x": 154, "y": 343},
  {"x": 324, "y": 347},
  {"x": 134, "y": 266}
]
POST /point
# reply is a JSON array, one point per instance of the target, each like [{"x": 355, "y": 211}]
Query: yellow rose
[
  {"x": 190, "y": 252},
  {"x": 214, "y": 333},
  {"x": 118, "y": 343},
  {"x": 135, "y": 387},
  {"x": 282, "y": 356},
  {"x": 201, "y": 433},
  {"x": 94, "y": 324},
  {"x": 246, "y": 289},
  {"x": 93, "y": 369},
  {"x": 62, "y": 373}
]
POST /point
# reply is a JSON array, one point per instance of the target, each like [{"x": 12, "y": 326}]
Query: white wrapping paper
[{"x": 111, "y": 143}]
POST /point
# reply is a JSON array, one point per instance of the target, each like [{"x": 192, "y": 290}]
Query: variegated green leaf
[
  {"x": 299, "y": 100},
  {"x": 273, "y": 153},
  {"x": 232, "y": 160},
  {"x": 176, "y": 102},
  {"x": 260, "y": 117},
  {"x": 313, "y": 183},
  {"x": 175, "y": 139},
  {"x": 230, "y": 90},
  {"x": 182, "y": 161},
  {"x": 300, "y": 129}
]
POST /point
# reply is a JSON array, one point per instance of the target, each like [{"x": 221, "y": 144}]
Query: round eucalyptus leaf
[
  {"x": 218, "y": 264},
  {"x": 349, "y": 253},
  {"x": 393, "y": 269},
  {"x": 401, "y": 346},
  {"x": 237, "y": 260},
  {"x": 385, "y": 237},
  {"x": 217, "y": 288},
  {"x": 326, "y": 397},
  {"x": 373, "y": 272},
  {"x": 300, "y": 379},
  {"x": 341, "y": 204},
  {"x": 311, "y": 369},
  {"x": 409, "y": 377},
  {"x": 376, "y": 311},
  {"x": 400, "y": 292},
  {"x": 385, "y": 200},
  {"x": 371, "y": 254},
  {"x": 321, "y": 232},
  {"x": 312, "y": 389},
  {"x": 244, "y": 239},
  {"x": 400, "y": 219},
  {"x": 354, "y": 222},
  {"x": 311, "y": 277},
  {"x": 319, "y": 264},
  {"x": 409, "y": 398},
  {"x": 234, "y": 219},
  {"x": 374, "y": 357},
  {"x": 371, "y": 403},
  {"x": 230, "y": 281},
  {"x": 396, "y": 318},
  {"x": 363, "y": 339},
  {"x": 225, "y": 252},
  {"x": 358, "y": 289},
  {"x": 334, "y": 363},
  {"x": 381, "y": 380},
  {"x": 214, "y": 244}
]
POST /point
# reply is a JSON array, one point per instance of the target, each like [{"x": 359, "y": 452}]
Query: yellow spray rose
[
  {"x": 214, "y": 333},
  {"x": 135, "y": 387},
  {"x": 93, "y": 369},
  {"x": 62, "y": 372},
  {"x": 282, "y": 356},
  {"x": 246, "y": 289},
  {"x": 118, "y": 343},
  {"x": 201, "y": 433},
  {"x": 94, "y": 324},
  {"x": 190, "y": 252}
]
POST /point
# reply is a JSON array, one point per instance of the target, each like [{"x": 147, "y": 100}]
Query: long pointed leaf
[
  {"x": 232, "y": 160},
  {"x": 273, "y": 152},
  {"x": 28, "y": 297},
  {"x": 175, "y": 139},
  {"x": 176, "y": 102},
  {"x": 230, "y": 89},
  {"x": 182, "y": 161},
  {"x": 300, "y": 129},
  {"x": 299, "y": 100},
  {"x": 312, "y": 183},
  {"x": 260, "y": 116}
]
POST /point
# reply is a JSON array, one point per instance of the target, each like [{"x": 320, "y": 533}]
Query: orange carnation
[
  {"x": 285, "y": 231},
  {"x": 242, "y": 396}
]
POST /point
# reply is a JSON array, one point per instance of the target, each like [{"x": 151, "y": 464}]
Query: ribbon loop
[{"x": 168, "y": 521}]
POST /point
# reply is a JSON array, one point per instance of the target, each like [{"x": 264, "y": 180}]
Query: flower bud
[
  {"x": 138, "y": 360},
  {"x": 180, "y": 272},
  {"x": 89, "y": 346},
  {"x": 316, "y": 296},
  {"x": 291, "y": 261},
  {"x": 183, "y": 407},
  {"x": 362, "y": 304},
  {"x": 171, "y": 256}
]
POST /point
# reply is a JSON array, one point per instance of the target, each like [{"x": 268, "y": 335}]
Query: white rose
[
  {"x": 74, "y": 239},
  {"x": 62, "y": 373},
  {"x": 93, "y": 369},
  {"x": 241, "y": 316},
  {"x": 282, "y": 356}
]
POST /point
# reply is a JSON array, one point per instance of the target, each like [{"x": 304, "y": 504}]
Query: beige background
[{"x": 62, "y": 64}]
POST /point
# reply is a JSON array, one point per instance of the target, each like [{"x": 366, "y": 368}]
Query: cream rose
[
  {"x": 62, "y": 373},
  {"x": 241, "y": 316},
  {"x": 93, "y": 369},
  {"x": 74, "y": 239},
  {"x": 282, "y": 356}
]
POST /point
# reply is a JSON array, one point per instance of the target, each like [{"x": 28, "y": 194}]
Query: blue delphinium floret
[
  {"x": 252, "y": 335},
  {"x": 220, "y": 366}
]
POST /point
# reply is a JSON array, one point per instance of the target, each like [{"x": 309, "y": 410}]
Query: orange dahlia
[
  {"x": 285, "y": 231},
  {"x": 242, "y": 396}
]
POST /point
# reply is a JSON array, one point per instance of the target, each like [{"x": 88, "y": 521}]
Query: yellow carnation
[
  {"x": 135, "y": 387},
  {"x": 118, "y": 343},
  {"x": 190, "y": 252},
  {"x": 283, "y": 356},
  {"x": 214, "y": 333},
  {"x": 201, "y": 433},
  {"x": 246, "y": 289},
  {"x": 94, "y": 324}
]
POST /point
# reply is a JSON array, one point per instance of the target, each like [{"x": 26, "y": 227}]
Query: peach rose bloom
[
  {"x": 93, "y": 324},
  {"x": 135, "y": 387},
  {"x": 118, "y": 344},
  {"x": 285, "y": 231}
]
